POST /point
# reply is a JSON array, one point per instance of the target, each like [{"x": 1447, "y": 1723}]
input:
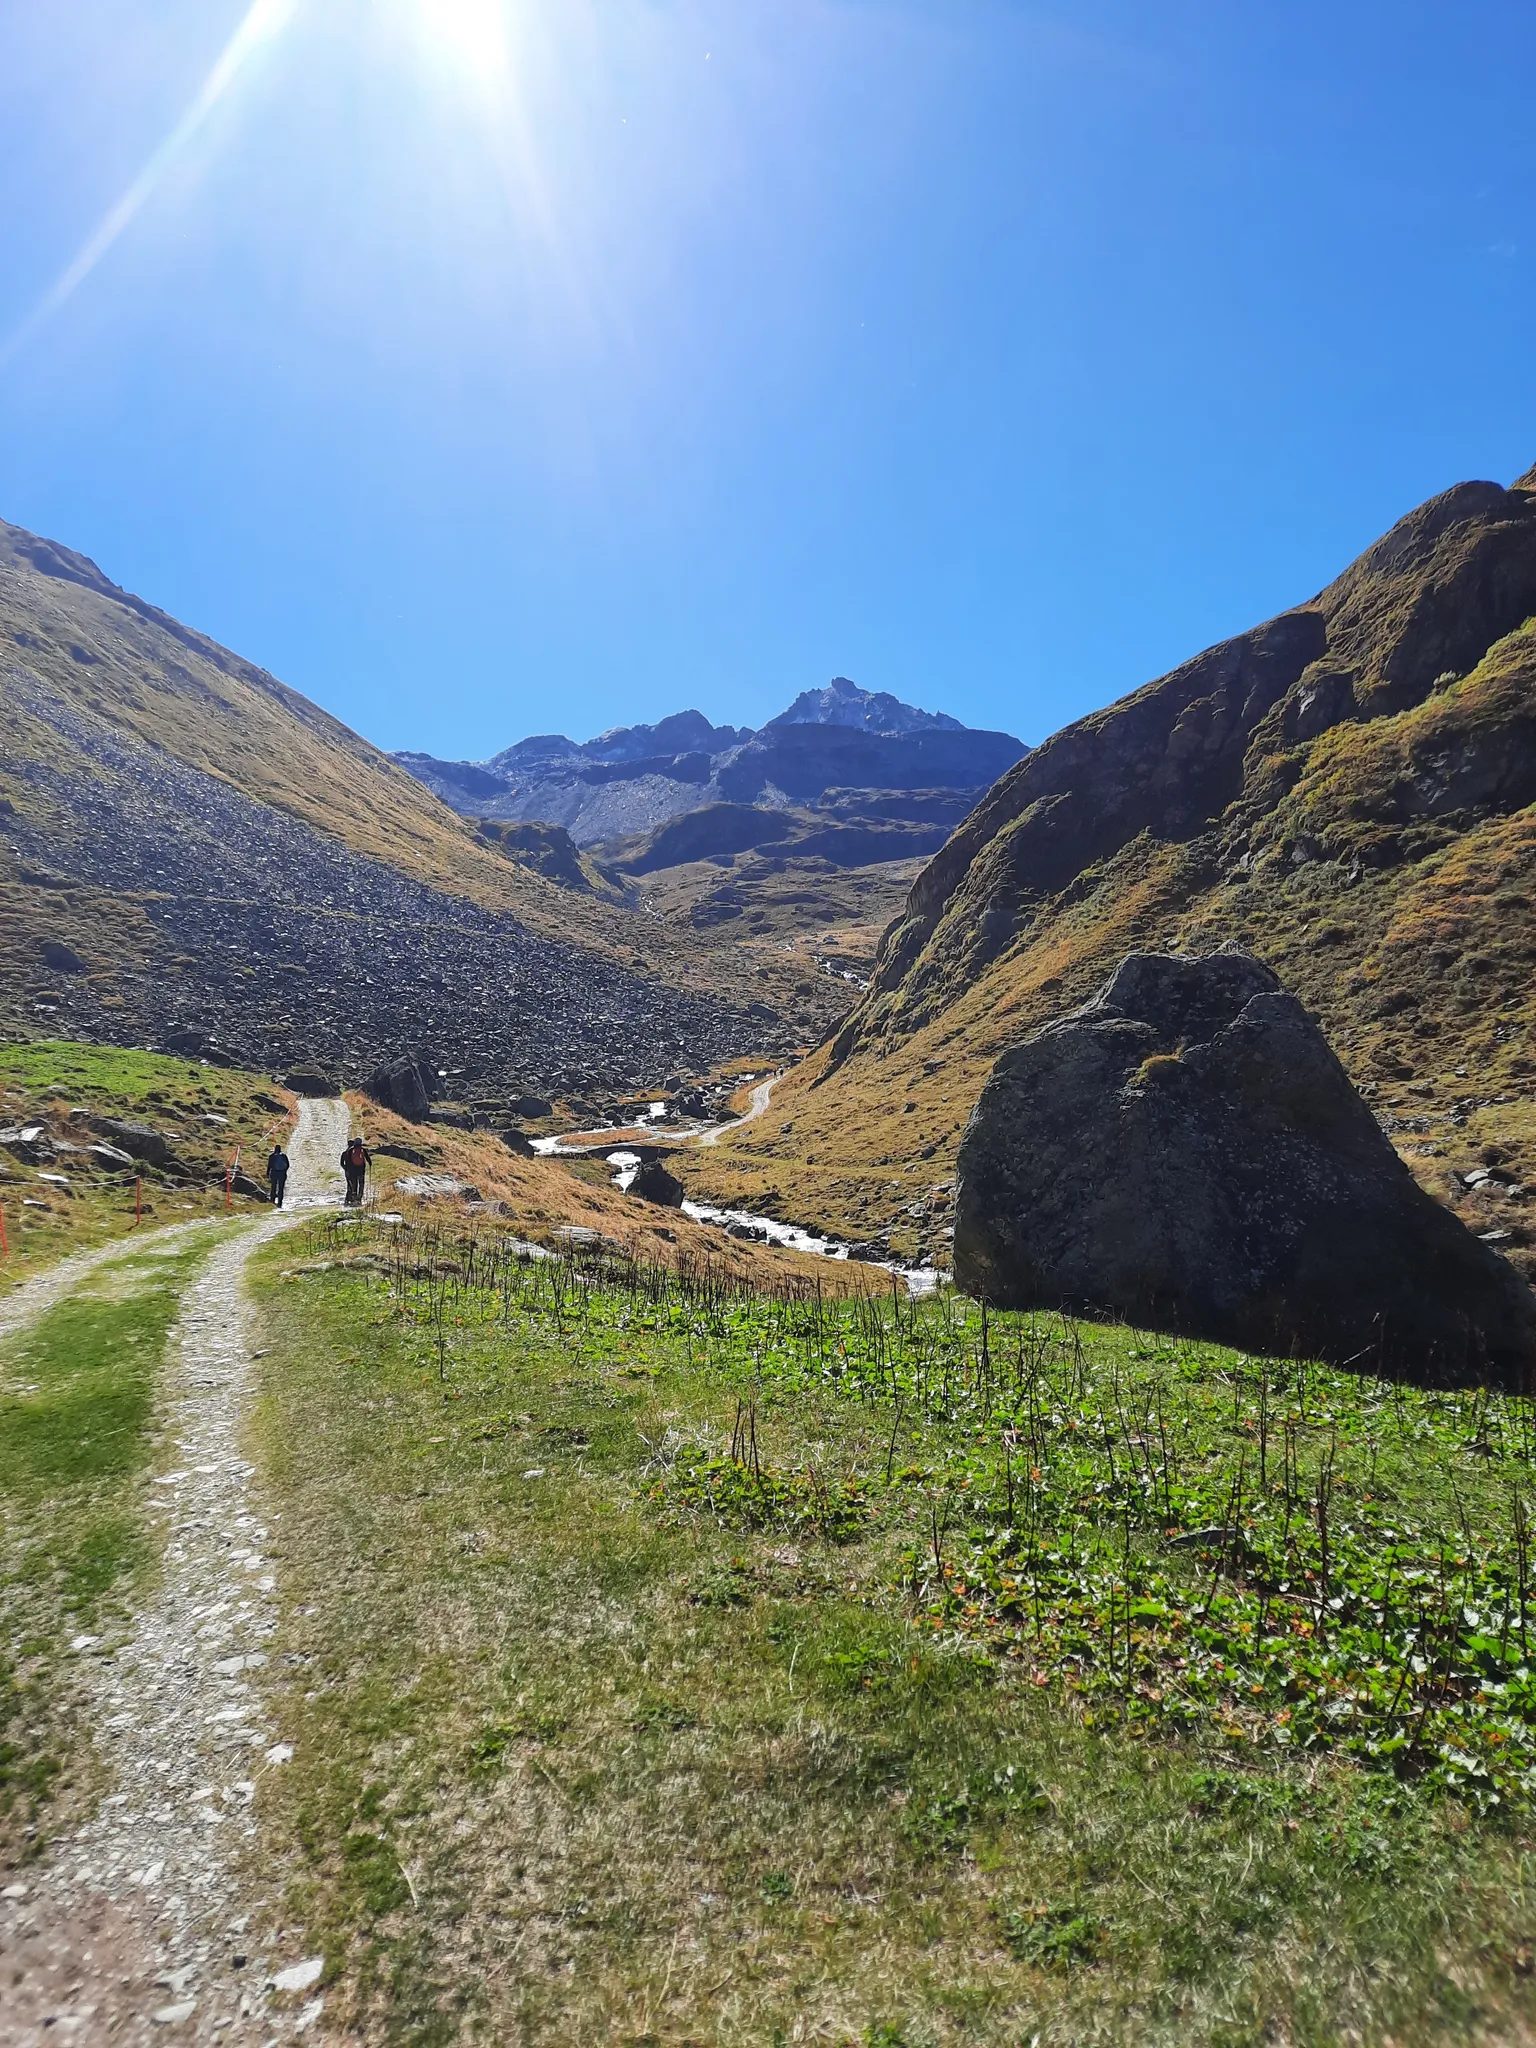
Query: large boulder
[
  {"x": 405, "y": 1086},
  {"x": 139, "y": 1141},
  {"x": 1185, "y": 1153},
  {"x": 653, "y": 1183},
  {"x": 110, "y": 1159},
  {"x": 33, "y": 1143},
  {"x": 59, "y": 958},
  {"x": 310, "y": 1081}
]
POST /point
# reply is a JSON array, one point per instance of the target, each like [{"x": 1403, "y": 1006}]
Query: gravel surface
[
  {"x": 761, "y": 1096},
  {"x": 135, "y": 1928}
]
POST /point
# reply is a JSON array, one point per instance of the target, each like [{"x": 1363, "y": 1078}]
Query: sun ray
[{"x": 264, "y": 20}]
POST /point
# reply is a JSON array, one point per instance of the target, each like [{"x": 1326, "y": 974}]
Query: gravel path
[
  {"x": 24, "y": 1304},
  {"x": 758, "y": 1103},
  {"x": 134, "y": 1929}
]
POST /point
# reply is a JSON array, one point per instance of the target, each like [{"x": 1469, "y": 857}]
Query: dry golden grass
[
  {"x": 806, "y": 903},
  {"x": 540, "y": 1197}
]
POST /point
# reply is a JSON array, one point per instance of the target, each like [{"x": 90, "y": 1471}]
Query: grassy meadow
[{"x": 673, "y": 1663}]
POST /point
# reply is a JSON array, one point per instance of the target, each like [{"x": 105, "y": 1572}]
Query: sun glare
[{"x": 473, "y": 33}]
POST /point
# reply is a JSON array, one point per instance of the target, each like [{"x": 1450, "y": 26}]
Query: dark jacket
[{"x": 277, "y": 1165}]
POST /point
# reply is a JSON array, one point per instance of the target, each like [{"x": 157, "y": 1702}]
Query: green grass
[
  {"x": 206, "y": 1111},
  {"x": 77, "y": 1405},
  {"x": 654, "y": 1676}
]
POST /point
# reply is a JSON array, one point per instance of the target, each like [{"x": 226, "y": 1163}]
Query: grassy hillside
[
  {"x": 104, "y": 652},
  {"x": 116, "y": 718},
  {"x": 1348, "y": 791},
  {"x": 208, "y": 1115}
]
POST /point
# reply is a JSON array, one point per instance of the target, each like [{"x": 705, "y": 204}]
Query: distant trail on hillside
[
  {"x": 136, "y": 1907},
  {"x": 761, "y": 1096}
]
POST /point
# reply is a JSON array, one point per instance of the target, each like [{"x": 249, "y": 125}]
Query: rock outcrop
[
  {"x": 718, "y": 831},
  {"x": 550, "y": 851},
  {"x": 136, "y": 1141},
  {"x": 653, "y": 1183},
  {"x": 405, "y": 1086},
  {"x": 1348, "y": 792},
  {"x": 309, "y": 1081},
  {"x": 1186, "y": 1153}
]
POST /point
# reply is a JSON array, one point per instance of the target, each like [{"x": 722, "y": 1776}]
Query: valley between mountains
[
  {"x": 864, "y": 892},
  {"x": 513, "y": 1608}
]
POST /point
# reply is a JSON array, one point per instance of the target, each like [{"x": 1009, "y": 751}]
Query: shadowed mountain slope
[
  {"x": 1346, "y": 791},
  {"x": 194, "y": 851}
]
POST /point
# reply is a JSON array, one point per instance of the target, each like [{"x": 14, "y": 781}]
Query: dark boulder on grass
[
  {"x": 405, "y": 1086},
  {"x": 59, "y": 958},
  {"x": 310, "y": 1081},
  {"x": 1186, "y": 1153},
  {"x": 139, "y": 1141},
  {"x": 110, "y": 1159},
  {"x": 653, "y": 1183}
]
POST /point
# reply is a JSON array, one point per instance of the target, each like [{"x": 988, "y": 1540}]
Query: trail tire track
[
  {"x": 34, "y": 1297},
  {"x": 135, "y": 1929}
]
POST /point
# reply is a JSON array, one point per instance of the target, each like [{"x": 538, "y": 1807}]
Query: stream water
[{"x": 919, "y": 1280}]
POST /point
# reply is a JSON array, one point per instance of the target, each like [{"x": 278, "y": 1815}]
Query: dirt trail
[
  {"x": 24, "y": 1304},
  {"x": 761, "y": 1096},
  {"x": 135, "y": 1928}
]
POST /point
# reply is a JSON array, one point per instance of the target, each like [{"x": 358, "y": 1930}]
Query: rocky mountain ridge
[
  {"x": 842, "y": 702},
  {"x": 193, "y": 857},
  {"x": 635, "y": 778},
  {"x": 1347, "y": 791}
]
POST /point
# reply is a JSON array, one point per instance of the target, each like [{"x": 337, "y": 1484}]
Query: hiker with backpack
[
  {"x": 277, "y": 1174},
  {"x": 354, "y": 1164}
]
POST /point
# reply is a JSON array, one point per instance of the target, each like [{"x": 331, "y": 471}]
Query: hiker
[
  {"x": 277, "y": 1174},
  {"x": 354, "y": 1164}
]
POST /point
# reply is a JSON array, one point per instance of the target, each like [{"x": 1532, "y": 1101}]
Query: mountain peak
[{"x": 843, "y": 703}]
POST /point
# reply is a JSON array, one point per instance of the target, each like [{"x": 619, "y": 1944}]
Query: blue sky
[{"x": 484, "y": 367}]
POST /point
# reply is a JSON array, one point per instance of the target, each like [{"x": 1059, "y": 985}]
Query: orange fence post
[
  {"x": 5, "y": 1243},
  {"x": 229, "y": 1181}
]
